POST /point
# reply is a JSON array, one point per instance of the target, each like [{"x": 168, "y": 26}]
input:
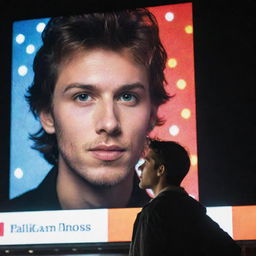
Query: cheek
[
  {"x": 137, "y": 121},
  {"x": 135, "y": 127},
  {"x": 145, "y": 176},
  {"x": 72, "y": 120}
]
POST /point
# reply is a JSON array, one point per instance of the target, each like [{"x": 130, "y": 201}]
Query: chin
[
  {"x": 141, "y": 186},
  {"x": 107, "y": 179}
]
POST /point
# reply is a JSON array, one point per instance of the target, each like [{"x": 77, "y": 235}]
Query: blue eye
[
  {"x": 83, "y": 97},
  {"x": 128, "y": 97}
]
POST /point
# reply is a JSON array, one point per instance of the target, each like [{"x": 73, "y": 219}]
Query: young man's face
[
  {"x": 148, "y": 177},
  {"x": 101, "y": 114}
]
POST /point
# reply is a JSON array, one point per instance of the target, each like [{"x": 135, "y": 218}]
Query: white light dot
[
  {"x": 189, "y": 29},
  {"x": 18, "y": 173},
  {"x": 186, "y": 113},
  {"x": 172, "y": 63},
  {"x": 22, "y": 70},
  {"x": 181, "y": 84},
  {"x": 30, "y": 49},
  {"x": 174, "y": 130},
  {"x": 40, "y": 27},
  {"x": 169, "y": 16},
  {"x": 193, "y": 159},
  {"x": 20, "y": 38}
]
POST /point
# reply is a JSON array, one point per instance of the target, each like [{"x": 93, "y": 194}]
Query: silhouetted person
[{"x": 173, "y": 223}]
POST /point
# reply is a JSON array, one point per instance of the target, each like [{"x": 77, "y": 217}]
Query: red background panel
[{"x": 179, "y": 46}]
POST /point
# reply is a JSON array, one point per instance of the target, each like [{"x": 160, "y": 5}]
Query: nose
[{"x": 107, "y": 119}]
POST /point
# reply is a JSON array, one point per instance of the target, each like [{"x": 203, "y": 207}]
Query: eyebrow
[
  {"x": 130, "y": 87},
  {"x": 78, "y": 86},
  {"x": 126, "y": 87}
]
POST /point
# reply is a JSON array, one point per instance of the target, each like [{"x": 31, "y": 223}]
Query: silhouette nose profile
[{"x": 108, "y": 119}]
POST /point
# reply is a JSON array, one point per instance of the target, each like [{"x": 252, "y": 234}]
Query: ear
[
  {"x": 47, "y": 122},
  {"x": 161, "y": 170}
]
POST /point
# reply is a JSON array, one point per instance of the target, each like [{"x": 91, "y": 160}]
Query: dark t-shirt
[{"x": 44, "y": 197}]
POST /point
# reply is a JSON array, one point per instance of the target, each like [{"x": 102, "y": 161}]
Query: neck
[
  {"x": 172, "y": 188},
  {"x": 74, "y": 192},
  {"x": 159, "y": 187}
]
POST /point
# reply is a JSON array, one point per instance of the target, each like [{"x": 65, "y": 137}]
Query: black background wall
[
  {"x": 225, "y": 66},
  {"x": 225, "y": 59}
]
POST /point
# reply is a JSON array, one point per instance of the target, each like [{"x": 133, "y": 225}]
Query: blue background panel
[{"x": 27, "y": 167}]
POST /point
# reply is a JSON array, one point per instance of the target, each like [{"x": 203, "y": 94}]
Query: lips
[{"x": 107, "y": 152}]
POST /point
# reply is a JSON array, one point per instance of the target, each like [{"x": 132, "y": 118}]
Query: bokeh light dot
[
  {"x": 189, "y": 29},
  {"x": 172, "y": 63},
  {"x": 40, "y": 27},
  {"x": 174, "y": 130},
  {"x": 169, "y": 16},
  {"x": 22, "y": 70},
  {"x": 30, "y": 49},
  {"x": 186, "y": 113},
  {"x": 20, "y": 38},
  {"x": 18, "y": 173},
  {"x": 193, "y": 159},
  {"x": 181, "y": 84}
]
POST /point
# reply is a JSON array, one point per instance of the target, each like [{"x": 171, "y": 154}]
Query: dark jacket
[
  {"x": 175, "y": 224},
  {"x": 44, "y": 197}
]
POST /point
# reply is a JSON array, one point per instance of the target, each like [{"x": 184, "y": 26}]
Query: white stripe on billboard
[
  {"x": 72, "y": 226},
  {"x": 223, "y": 216}
]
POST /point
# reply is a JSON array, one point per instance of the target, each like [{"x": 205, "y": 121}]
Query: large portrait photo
[
  {"x": 87, "y": 91},
  {"x": 71, "y": 143},
  {"x": 104, "y": 106}
]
